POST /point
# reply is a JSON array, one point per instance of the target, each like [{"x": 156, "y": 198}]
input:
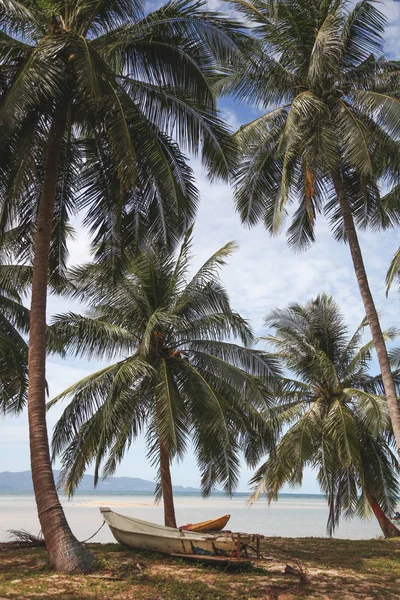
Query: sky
[{"x": 263, "y": 274}]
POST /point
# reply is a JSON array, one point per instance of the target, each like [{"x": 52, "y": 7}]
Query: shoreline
[{"x": 289, "y": 517}]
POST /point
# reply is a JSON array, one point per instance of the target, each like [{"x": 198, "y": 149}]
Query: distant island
[{"x": 22, "y": 482}]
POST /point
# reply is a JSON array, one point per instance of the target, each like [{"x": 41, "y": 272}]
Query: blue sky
[{"x": 263, "y": 274}]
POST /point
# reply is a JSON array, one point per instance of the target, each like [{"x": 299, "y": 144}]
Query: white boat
[{"x": 144, "y": 535}]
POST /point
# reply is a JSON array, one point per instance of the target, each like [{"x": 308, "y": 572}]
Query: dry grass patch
[{"x": 335, "y": 569}]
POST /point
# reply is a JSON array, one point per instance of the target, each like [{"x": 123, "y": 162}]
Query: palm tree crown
[
  {"x": 334, "y": 418},
  {"x": 176, "y": 375},
  {"x": 333, "y": 108},
  {"x": 118, "y": 84}
]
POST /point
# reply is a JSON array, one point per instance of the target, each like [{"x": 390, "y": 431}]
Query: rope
[{"x": 96, "y": 532}]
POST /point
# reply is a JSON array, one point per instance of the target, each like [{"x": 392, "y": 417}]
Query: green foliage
[
  {"x": 334, "y": 418},
  {"x": 176, "y": 376},
  {"x": 129, "y": 84},
  {"x": 14, "y": 323},
  {"x": 15, "y": 285},
  {"x": 394, "y": 270},
  {"x": 332, "y": 107}
]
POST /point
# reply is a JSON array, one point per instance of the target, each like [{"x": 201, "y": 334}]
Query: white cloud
[
  {"x": 392, "y": 11},
  {"x": 230, "y": 118},
  {"x": 265, "y": 273}
]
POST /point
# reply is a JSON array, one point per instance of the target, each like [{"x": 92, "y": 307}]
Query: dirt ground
[{"x": 330, "y": 569}]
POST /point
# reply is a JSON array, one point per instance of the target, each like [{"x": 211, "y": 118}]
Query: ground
[{"x": 334, "y": 569}]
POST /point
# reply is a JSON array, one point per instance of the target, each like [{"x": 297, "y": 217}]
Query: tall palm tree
[
  {"x": 175, "y": 375},
  {"x": 89, "y": 94},
  {"x": 329, "y": 134},
  {"x": 334, "y": 418}
]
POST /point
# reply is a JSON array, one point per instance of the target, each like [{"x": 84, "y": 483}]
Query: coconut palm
[
  {"x": 329, "y": 133},
  {"x": 175, "y": 376},
  {"x": 333, "y": 418},
  {"x": 90, "y": 93}
]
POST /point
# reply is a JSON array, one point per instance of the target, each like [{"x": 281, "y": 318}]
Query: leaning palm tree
[
  {"x": 333, "y": 418},
  {"x": 89, "y": 94},
  {"x": 329, "y": 134},
  {"x": 175, "y": 375}
]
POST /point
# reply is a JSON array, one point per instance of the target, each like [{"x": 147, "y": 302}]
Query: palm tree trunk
[
  {"x": 64, "y": 551},
  {"x": 389, "y": 529},
  {"x": 370, "y": 310},
  {"x": 166, "y": 486}
]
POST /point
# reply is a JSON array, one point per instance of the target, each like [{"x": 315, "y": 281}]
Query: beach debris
[
  {"x": 24, "y": 539},
  {"x": 298, "y": 571},
  {"x": 275, "y": 592}
]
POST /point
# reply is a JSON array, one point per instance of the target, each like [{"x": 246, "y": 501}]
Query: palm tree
[
  {"x": 175, "y": 375},
  {"x": 329, "y": 134},
  {"x": 334, "y": 418},
  {"x": 89, "y": 94}
]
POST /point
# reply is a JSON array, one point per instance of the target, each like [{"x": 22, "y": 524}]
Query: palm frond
[{"x": 393, "y": 271}]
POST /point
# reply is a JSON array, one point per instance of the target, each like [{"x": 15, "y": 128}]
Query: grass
[{"x": 335, "y": 570}]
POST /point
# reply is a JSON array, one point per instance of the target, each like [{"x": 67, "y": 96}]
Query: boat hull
[
  {"x": 205, "y": 526},
  {"x": 143, "y": 535}
]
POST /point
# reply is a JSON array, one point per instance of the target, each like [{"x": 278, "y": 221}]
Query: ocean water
[{"x": 294, "y": 515}]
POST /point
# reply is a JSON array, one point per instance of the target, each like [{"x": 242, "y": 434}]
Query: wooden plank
[{"x": 238, "y": 546}]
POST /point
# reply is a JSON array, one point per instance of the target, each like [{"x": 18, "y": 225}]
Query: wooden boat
[
  {"x": 212, "y": 525},
  {"x": 144, "y": 535}
]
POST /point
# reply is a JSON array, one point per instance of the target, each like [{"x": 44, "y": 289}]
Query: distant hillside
[{"x": 22, "y": 482}]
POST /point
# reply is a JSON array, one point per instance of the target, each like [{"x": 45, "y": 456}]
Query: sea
[{"x": 293, "y": 515}]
